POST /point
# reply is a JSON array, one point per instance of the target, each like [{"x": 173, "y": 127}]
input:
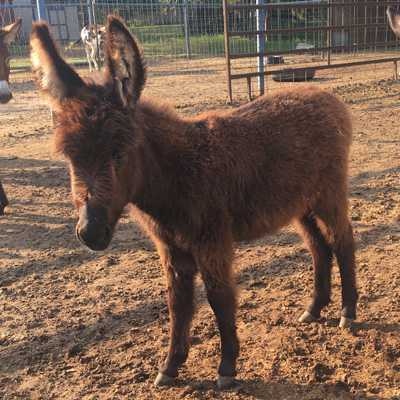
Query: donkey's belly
[
  {"x": 261, "y": 225},
  {"x": 268, "y": 218}
]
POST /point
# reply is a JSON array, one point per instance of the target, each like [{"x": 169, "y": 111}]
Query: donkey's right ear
[
  {"x": 124, "y": 61},
  {"x": 55, "y": 77}
]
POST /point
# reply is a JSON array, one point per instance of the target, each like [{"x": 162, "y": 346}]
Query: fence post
[
  {"x": 186, "y": 29},
  {"x": 329, "y": 30},
  {"x": 89, "y": 11},
  {"x": 260, "y": 18},
  {"x": 227, "y": 48},
  {"x": 41, "y": 9}
]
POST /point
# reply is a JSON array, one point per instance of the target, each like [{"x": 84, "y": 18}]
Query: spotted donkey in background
[{"x": 93, "y": 44}]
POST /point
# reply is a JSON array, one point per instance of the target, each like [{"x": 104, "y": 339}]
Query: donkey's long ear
[
  {"x": 393, "y": 14},
  {"x": 10, "y": 32},
  {"x": 124, "y": 62},
  {"x": 56, "y": 78}
]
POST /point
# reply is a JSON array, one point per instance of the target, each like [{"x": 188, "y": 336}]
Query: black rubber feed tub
[{"x": 289, "y": 75}]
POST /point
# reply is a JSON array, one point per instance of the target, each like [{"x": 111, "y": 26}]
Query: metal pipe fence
[{"x": 308, "y": 35}]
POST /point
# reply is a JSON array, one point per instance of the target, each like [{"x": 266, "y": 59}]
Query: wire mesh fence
[{"x": 165, "y": 29}]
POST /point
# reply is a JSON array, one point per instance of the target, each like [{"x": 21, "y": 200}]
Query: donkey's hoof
[
  {"x": 345, "y": 322},
  {"x": 307, "y": 317},
  {"x": 163, "y": 380},
  {"x": 225, "y": 382}
]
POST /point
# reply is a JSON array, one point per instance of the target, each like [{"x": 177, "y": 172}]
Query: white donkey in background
[{"x": 93, "y": 44}]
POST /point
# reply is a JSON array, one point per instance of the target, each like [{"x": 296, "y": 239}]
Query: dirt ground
[{"x": 81, "y": 325}]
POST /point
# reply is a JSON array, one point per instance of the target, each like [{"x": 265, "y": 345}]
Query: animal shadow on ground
[
  {"x": 378, "y": 326},
  {"x": 271, "y": 389},
  {"x": 361, "y": 187},
  {"x": 30, "y": 172},
  {"x": 45, "y": 348}
]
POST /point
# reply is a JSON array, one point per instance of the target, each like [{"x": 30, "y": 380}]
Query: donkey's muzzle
[
  {"x": 92, "y": 228},
  {"x": 5, "y": 98}
]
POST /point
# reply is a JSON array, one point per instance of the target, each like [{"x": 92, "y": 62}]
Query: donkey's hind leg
[
  {"x": 322, "y": 261},
  {"x": 93, "y": 56},
  {"x": 3, "y": 200},
  {"x": 345, "y": 254},
  {"x": 87, "y": 51},
  {"x": 180, "y": 269},
  {"x": 341, "y": 237}
]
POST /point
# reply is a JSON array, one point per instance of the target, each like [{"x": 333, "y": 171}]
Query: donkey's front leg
[
  {"x": 180, "y": 270},
  {"x": 3, "y": 200},
  {"x": 217, "y": 274}
]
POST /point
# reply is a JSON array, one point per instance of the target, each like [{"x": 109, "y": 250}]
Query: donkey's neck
[{"x": 164, "y": 158}]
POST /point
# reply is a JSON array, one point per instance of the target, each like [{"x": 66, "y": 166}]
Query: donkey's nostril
[
  {"x": 92, "y": 228},
  {"x": 94, "y": 236}
]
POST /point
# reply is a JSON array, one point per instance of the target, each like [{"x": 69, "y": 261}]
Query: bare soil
[{"x": 81, "y": 325}]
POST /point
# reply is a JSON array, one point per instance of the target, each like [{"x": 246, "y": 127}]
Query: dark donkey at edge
[
  {"x": 198, "y": 185},
  {"x": 7, "y": 36}
]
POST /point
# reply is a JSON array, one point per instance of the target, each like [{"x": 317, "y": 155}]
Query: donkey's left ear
[
  {"x": 10, "y": 32},
  {"x": 124, "y": 62}
]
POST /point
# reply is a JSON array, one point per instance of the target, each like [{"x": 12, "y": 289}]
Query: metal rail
[{"x": 317, "y": 67}]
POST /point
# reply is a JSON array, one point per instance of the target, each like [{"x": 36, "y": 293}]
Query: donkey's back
[
  {"x": 290, "y": 121},
  {"x": 277, "y": 158}
]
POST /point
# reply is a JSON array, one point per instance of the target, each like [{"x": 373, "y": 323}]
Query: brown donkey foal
[{"x": 197, "y": 185}]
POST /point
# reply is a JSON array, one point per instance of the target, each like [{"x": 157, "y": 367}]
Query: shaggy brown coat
[{"x": 198, "y": 185}]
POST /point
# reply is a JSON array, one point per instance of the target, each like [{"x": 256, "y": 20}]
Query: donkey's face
[
  {"x": 94, "y": 126},
  {"x": 7, "y": 35},
  {"x": 95, "y": 138}
]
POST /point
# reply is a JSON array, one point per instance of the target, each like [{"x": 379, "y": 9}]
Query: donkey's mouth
[{"x": 96, "y": 242}]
